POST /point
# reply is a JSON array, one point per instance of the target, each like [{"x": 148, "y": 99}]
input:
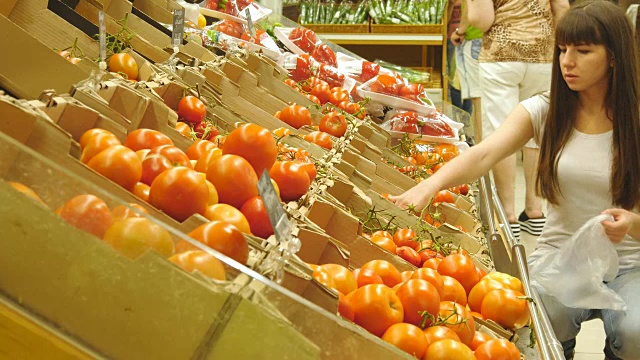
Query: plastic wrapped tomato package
[
  {"x": 261, "y": 43},
  {"x": 394, "y": 91},
  {"x": 235, "y": 10},
  {"x": 358, "y": 69},
  {"x": 301, "y": 67},
  {"x": 298, "y": 40},
  {"x": 432, "y": 127}
]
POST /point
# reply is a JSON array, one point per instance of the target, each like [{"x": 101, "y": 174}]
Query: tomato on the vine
[
  {"x": 419, "y": 295},
  {"x": 296, "y": 116},
  {"x": 124, "y": 63},
  {"x": 322, "y": 92},
  {"x": 191, "y": 109},
  {"x": 320, "y": 138},
  {"x": 205, "y": 130}
]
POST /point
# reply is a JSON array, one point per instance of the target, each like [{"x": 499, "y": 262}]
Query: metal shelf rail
[{"x": 509, "y": 257}]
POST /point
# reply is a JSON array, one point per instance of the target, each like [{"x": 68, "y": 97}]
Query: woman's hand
[
  {"x": 418, "y": 197},
  {"x": 622, "y": 224}
]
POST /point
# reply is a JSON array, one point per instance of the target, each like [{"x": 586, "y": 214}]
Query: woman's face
[{"x": 585, "y": 67}]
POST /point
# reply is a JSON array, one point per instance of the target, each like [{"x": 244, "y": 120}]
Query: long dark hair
[{"x": 598, "y": 23}]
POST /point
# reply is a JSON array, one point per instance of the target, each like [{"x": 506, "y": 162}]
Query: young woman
[{"x": 588, "y": 130}]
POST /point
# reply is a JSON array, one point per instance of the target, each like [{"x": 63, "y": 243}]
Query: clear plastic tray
[{"x": 393, "y": 101}]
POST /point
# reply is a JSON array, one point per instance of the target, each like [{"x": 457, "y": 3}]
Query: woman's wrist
[{"x": 459, "y": 32}]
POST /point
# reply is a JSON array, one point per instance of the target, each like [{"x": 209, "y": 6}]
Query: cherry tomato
[
  {"x": 88, "y": 213},
  {"x": 409, "y": 255},
  {"x": 205, "y": 130},
  {"x": 132, "y": 237}
]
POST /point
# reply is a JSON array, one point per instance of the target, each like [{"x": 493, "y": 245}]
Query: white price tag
[
  {"x": 178, "y": 27},
  {"x": 103, "y": 36}
]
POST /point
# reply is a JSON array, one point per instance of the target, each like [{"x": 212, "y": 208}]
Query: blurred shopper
[
  {"x": 588, "y": 130},
  {"x": 455, "y": 96},
  {"x": 514, "y": 64}
]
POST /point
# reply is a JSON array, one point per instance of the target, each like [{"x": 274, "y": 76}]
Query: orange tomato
[
  {"x": 152, "y": 166},
  {"x": 293, "y": 180},
  {"x": 180, "y": 192},
  {"x": 88, "y": 213},
  {"x": 96, "y": 144},
  {"x": 206, "y": 158},
  {"x": 146, "y": 139},
  {"x": 406, "y": 275},
  {"x": 406, "y": 237},
  {"x": 220, "y": 236},
  {"x": 408, "y": 338},
  {"x": 461, "y": 268},
  {"x": 449, "y": 349},
  {"x": 506, "y": 307},
  {"x": 184, "y": 129},
  {"x": 453, "y": 291},
  {"x": 343, "y": 278},
  {"x": 119, "y": 164},
  {"x": 124, "y": 212},
  {"x": 201, "y": 261},
  {"x": 345, "y": 309},
  {"x": 432, "y": 277},
  {"x": 87, "y": 135},
  {"x": 497, "y": 349},
  {"x": 199, "y": 147},
  {"x": 228, "y": 214},
  {"x": 134, "y": 236},
  {"x": 234, "y": 178},
  {"x": 213, "y": 193},
  {"x": 480, "y": 290},
  {"x": 176, "y": 156},
  {"x": 320, "y": 138},
  {"x": 457, "y": 318},
  {"x": 255, "y": 144},
  {"x": 432, "y": 263},
  {"x": 479, "y": 338},
  {"x": 141, "y": 190},
  {"x": 376, "y": 307},
  {"x": 389, "y": 273},
  {"x": 417, "y": 297},
  {"x": 436, "y": 333},
  {"x": 385, "y": 243},
  {"x": 366, "y": 277},
  {"x": 509, "y": 281},
  {"x": 124, "y": 63}
]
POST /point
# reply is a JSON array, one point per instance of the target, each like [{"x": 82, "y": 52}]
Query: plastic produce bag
[{"x": 575, "y": 273}]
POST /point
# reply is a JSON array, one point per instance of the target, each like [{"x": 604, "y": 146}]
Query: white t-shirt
[{"x": 584, "y": 170}]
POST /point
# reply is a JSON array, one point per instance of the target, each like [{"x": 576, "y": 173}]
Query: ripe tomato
[
  {"x": 255, "y": 144},
  {"x": 428, "y": 254},
  {"x": 480, "y": 290},
  {"x": 96, "y": 144},
  {"x": 447, "y": 151},
  {"x": 457, "y": 318},
  {"x": 437, "y": 333},
  {"x": 453, "y": 291},
  {"x": 302, "y": 70},
  {"x": 479, "y": 338},
  {"x": 293, "y": 181},
  {"x": 228, "y": 214},
  {"x": 256, "y": 213},
  {"x": 305, "y": 39},
  {"x": 132, "y": 237},
  {"x": 343, "y": 278},
  {"x": 146, "y": 139},
  {"x": 184, "y": 129},
  {"x": 175, "y": 156},
  {"x": 408, "y": 338},
  {"x": 153, "y": 166},
  {"x": 296, "y": 116},
  {"x": 443, "y": 196},
  {"x": 376, "y": 308},
  {"x": 354, "y": 109},
  {"x": 382, "y": 233},
  {"x": 118, "y": 164},
  {"x": 385, "y": 84},
  {"x": 88, "y": 213},
  {"x": 417, "y": 296},
  {"x": 320, "y": 138},
  {"x": 198, "y": 148},
  {"x": 281, "y": 132},
  {"x": 506, "y": 307},
  {"x": 124, "y": 63},
  {"x": 205, "y": 130},
  {"x": 191, "y": 110},
  {"x": 201, "y": 261},
  {"x": 385, "y": 243},
  {"x": 313, "y": 98},
  {"x": 220, "y": 236},
  {"x": 366, "y": 277},
  {"x": 213, "y": 193},
  {"x": 311, "y": 82},
  {"x": 389, "y": 273},
  {"x": 27, "y": 191},
  {"x": 345, "y": 309},
  {"x": 309, "y": 168},
  {"x": 432, "y": 277},
  {"x": 406, "y": 237},
  {"x": 179, "y": 192},
  {"x": 509, "y": 281},
  {"x": 325, "y": 55},
  {"x": 124, "y": 212},
  {"x": 87, "y": 135},
  {"x": 497, "y": 349},
  {"x": 406, "y": 275},
  {"x": 464, "y": 189},
  {"x": 234, "y": 178},
  {"x": 334, "y": 124},
  {"x": 322, "y": 92},
  {"x": 461, "y": 268},
  {"x": 449, "y": 349},
  {"x": 141, "y": 190},
  {"x": 206, "y": 159},
  {"x": 337, "y": 97},
  {"x": 230, "y": 28},
  {"x": 411, "y": 89},
  {"x": 410, "y": 255}
]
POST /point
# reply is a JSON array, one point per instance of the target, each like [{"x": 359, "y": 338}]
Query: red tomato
[
  {"x": 386, "y": 84},
  {"x": 464, "y": 189},
  {"x": 443, "y": 196},
  {"x": 366, "y": 277},
  {"x": 325, "y": 55},
  {"x": 311, "y": 82},
  {"x": 198, "y": 148},
  {"x": 408, "y": 338},
  {"x": 191, "y": 110},
  {"x": 256, "y": 213},
  {"x": 175, "y": 156},
  {"x": 254, "y": 143},
  {"x": 418, "y": 296},
  {"x": 453, "y": 291},
  {"x": 118, "y": 164},
  {"x": 132, "y": 237},
  {"x": 406, "y": 237},
  {"x": 305, "y": 39},
  {"x": 506, "y": 307},
  {"x": 497, "y": 349},
  {"x": 411, "y": 89},
  {"x": 234, "y": 179},
  {"x": 389, "y": 273},
  {"x": 432, "y": 277},
  {"x": 302, "y": 70},
  {"x": 322, "y": 92},
  {"x": 293, "y": 181},
  {"x": 205, "y": 130},
  {"x": 146, "y": 139},
  {"x": 449, "y": 349},
  {"x": 230, "y": 28},
  {"x": 202, "y": 261},
  {"x": 220, "y": 236},
  {"x": 309, "y": 168},
  {"x": 124, "y": 212},
  {"x": 124, "y": 63},
  {"x": 410, "y": 255},
  {"x": 461, "y": 268},
  {"x": 88, "y": 213},
  {"x": 97, "y": 143},
  {"x": 334, "y": 124},
  {"x": 296, "y": 116},
  {"x": 228, "y": 214},
  {"x": 376, "y": 308},
  {"x": 457, "y": 318},
  {"x": 354, "y": 109},
  {"x": 320, "y": 138},
  {"x": 345, "y": 309},
  {"x": 179, "y": 192}
]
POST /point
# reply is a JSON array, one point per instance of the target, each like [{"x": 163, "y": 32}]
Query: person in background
[
  {"x": 454, "y": 82},
  {"x": 588, "y": 130},
  {"x": 514, "y": 64},
  {"x": 468, "y": 41}
]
